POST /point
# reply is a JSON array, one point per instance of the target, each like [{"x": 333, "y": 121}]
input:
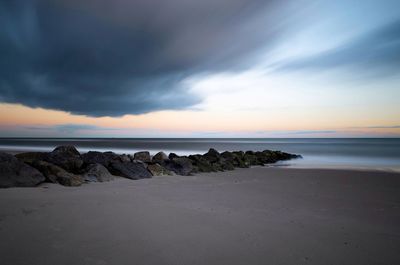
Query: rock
[
  {"x": 212, "y": 155},
  {"x": 105, "y": 158},
  {"x": 158, "y": 170},
  {"x": 226, "y": 165},
  {"x": 125, "y": 158},
  {"x": 250, "y": 158},
  {"x": 56, "y": 174},
  {"x": 286, "y": 156},
  {"x": 14, "y": 173},
  {"x": 159, "y": 158},
  {"x": 239, "y": 160},
  {"x": 131, "y": 170},
  {"x": 172, "y": 156},
  {"x": 29, "y": 157},
  {"x": 200, "y": 164},
  {"x": 97, "y": 173},
  {"x": 66, "y": 157},
  {"x": 180, "y": 165},
  {"x": 143, "y": 156},
  {"x": 228, "y": 161}
]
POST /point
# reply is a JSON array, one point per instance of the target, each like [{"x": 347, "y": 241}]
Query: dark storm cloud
[
  {"x": 68, "y": 128},
  {"x": 116, "y": 57},
  {"x": 375, "y": 52}
]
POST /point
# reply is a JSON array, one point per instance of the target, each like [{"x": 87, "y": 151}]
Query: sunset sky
[{"x": 210, "y": 68}]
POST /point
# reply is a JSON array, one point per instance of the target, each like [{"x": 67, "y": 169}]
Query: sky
[{"x": 188, "y": 68}]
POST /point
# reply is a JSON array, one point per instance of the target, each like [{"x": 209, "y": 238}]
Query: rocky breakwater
[{"x": 66, "y": 166}]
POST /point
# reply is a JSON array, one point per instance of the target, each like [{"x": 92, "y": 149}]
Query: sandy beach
[{"x": 247, "y": 216}]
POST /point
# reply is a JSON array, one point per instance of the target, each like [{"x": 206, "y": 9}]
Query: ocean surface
[{"x": 371, "y": 153}]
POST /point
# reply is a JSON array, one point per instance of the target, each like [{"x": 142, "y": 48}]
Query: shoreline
[{"x": 259, "y": 215}]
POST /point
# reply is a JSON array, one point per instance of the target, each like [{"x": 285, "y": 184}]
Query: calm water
[{"x": 317, "y": 153}]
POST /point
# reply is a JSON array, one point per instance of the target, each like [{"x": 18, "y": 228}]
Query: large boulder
[
  {"x": 130, "y": 170},
  {"x": 56, "y": 174},
  {"x": 66, "y": 157},
  {"x": 159, "y": 158},
  {"x": 239, "y": 160},
  {"x": 143, "y": 156},
  {"x": 172, "y": 156},
  {"x": 29, "y": 157},
  {"x": 285, "y": 156},
  {"x": 158, "y": 170},
  {"x": 125, "y": 158},
  {"x": 226, "y": 165},
  {"x": 250, "y": 158},
  {"x": 180, "y": 165},
  {"x": 215, "y": 160},
  {"x": 97, "y": 173},
  {"x": 105, "y": 158},
  {"x": 14, "y": 173},
  {"x": 200, "y": 164},
  {"x": 212, "y": 156}
]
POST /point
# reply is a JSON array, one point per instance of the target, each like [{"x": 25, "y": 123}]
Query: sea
[{"x": 348, "y": 153}]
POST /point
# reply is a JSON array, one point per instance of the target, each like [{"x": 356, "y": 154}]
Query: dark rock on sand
[
  {"x": 212, "y": 156},
  {"x": 105, "y": 158},
  {"x": 250, "y": 158},
  {"x": 14, "y": 173},
  {"x": 200, "y": 164},
  {"x": 159, "y": 158},
  {"x": 143, "y": 156},
  {"x": 130, "y": 170},
  {"x": 219, "y": 162},
  {"x": 180, "y": 165},
  {"x": 30, "y": 157},
  {"x": 230, "y": 160},
  {"x": 172, "y": 156},
  {"x": 239, "y": 160},
  {"x": 125, "y": 158},
  {"x": 226, "y": 165},
  {"x": 158, "y": 170},
  {"x": 97, "y": 173},
  {"x": 56, "y": 174},
  {"x": 66, "y": 157}
]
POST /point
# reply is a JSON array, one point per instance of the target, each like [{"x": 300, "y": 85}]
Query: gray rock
[
  {"x": 97, "y": 173},
  {"x": 172, "y": 156},
  {"x": 143, "y": 156},
  {"x": 66, "y": 157},
  {"x": 212, "y": 155},
  {"x": 131, "y": 170},
  {"x": 158, "y": 170},
  {"x": 180, "y": 165},
  {"x": 14, "y": 173},
  {"x": 125, "y": 158},
  {"x": 29, "y": 157},
  {"x": 56, "y": 174},
  {"x": 200, "y": 164},
  {"x": 105, "y": 158},
  {"x": 239, "y": 160},
  {"x": 159, "y": 158},
  {"x": 250, "y": 158}
]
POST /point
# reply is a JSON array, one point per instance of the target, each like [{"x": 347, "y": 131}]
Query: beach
[{"x": 261, "y": 215}]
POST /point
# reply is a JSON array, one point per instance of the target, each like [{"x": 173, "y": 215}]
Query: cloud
[
  {"x": 69, "y": 128},
  {"x": 377, "y": 51},
  {"x": 313, "y": 132},
  {"x": 383, "y": 127},
  {"x": 110, "y": 58}
]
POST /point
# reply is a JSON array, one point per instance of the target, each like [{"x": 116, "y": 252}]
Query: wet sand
[{"x": 247, "y": 216}]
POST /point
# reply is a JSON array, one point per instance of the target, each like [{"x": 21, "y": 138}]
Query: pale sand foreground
[{"x": 247, "y": 216}]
